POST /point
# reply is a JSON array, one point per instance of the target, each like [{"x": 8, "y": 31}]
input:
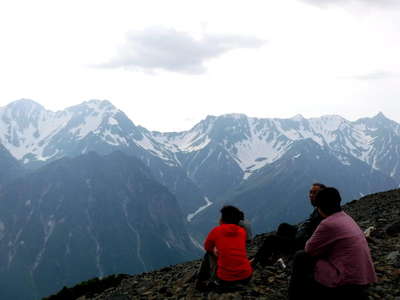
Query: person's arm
[
  {"x": 306, "y": 229},
  {"x": 209, "y": 243},
  {"x": 249, "y": 231},
  {"x": 321, "y": 240}
]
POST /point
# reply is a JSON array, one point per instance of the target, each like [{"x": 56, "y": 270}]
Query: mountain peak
[
  {"x": 93, "y": 105},
  {"x": 330, "y": 122},
  {"x": 380, "y": 116},
  {"x": 102, "y": 104},
  {"x": 297, "y": 117},
  {"x": 234, "y": 116},
  {"x": 25, "y": 104},
  {"x": 379, "y": 120}
]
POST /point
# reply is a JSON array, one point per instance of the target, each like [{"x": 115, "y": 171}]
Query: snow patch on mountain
[
  {"x": 256, "y": 152},
  {"x": 150, "y": 145},
  {"x": 90, "y": 124},
  {"x": 113, "y": 139},
  {"x": 200, "y": 209},
  {"x": 30, "y": 139},
  {"x": 188, "y": 141}
]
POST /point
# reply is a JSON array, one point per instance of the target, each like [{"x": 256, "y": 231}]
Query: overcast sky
[{"x": 169, "y": 64}]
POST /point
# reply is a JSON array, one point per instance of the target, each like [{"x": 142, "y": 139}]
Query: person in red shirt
[{"x": 226, "y": 244}]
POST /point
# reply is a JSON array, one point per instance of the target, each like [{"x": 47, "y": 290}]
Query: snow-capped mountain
[
  {"x": 36, "y": 136},
  {"x": 278, "y": 192},
  {"x": 265, "y": 166},
  {"x": 32, "y": 133},
  {"x": 254, "y": 143},
  {"x": 204, "y": 163}
]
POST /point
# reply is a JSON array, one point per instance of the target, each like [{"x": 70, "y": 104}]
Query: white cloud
[
  {"x": 160, "y": 48},
  {"x": 317, "y": 61},
  {"x": 375, "y": 3},
  {"x": 375, "y": 75}
]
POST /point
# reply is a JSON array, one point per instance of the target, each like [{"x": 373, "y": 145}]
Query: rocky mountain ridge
[
  {"x": 199, "y": 165},
  {"x": 30, "y": 132},
  {"x": 36, "y": 136},
  {"x": 381, "y": 210}
]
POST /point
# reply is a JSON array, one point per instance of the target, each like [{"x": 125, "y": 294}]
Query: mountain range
[
  {"x": 264, "y": 166},
  {"x": 84, "y": 217}
]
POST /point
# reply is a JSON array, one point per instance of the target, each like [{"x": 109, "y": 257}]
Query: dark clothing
[
  {"x": 306, "y": 229},
  {"x": 208, "y": 267},
  {"x": 282, "y": 242},
  {"x": 288, "y": 238},
  {"x": 302, "y": 278},
  {"x": 303, "y": 286},
  {"x": 245, "y": 224},
  {"x": 207, "y": 273}
]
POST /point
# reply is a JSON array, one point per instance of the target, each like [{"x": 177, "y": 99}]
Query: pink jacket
[{"x": 342, "y": 252}]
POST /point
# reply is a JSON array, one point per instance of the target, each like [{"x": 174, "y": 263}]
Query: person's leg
[
  {"x": 287, "y": 230},
  {"x": 302, "y": 277},
  {"x": 226, "y": 286},
  {"x": 354, "y": 292},
  {"x": 207, "y": 271},
  {"x": 319, "y": 291},
  {"x": 208, "y": 267},
  {"x": 271, "y": 244}
]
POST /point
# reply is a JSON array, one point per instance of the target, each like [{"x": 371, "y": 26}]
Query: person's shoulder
[
  {"x": 335, "y": 219},
  {"x": 241, "y": 228},
  {"x": 314, "y": 215},
  {"x": 218, "y": 228}
]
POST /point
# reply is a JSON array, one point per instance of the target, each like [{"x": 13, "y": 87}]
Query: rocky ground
[{"x": 381, "y": 210}]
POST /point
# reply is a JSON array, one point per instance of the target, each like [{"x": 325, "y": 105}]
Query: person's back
[
  {"x": 226, "y": 252},
  {"x": 336, "y": 262},
  {"x": 230, "y": 242},
  {"x": 343, "y": 253}
]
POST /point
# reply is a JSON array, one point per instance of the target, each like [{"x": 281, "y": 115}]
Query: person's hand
[{"x": 215, "y": 251}]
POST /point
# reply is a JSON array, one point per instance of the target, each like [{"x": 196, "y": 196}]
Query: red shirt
[
  {"x": 230, "y": 243},
  {"x": 342, "y": 252}
]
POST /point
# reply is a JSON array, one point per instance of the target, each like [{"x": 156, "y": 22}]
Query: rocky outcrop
[{"x": 381, "y": 211}]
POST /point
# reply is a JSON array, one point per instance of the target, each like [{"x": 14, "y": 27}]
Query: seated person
[
  {"x": 336, "y": 262},
  {"x": 290, "y": 238},
  {"x": 245, "y": 224},
  {"x": 226, "y": 244}
]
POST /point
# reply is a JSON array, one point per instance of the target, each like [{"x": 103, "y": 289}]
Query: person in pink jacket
[{"x": 336, "y": 261}]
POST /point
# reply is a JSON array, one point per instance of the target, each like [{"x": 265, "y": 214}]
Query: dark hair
[
  {"x": 320, "y": 185},
  {"x": 230, "y": 214},
  {"x": 328, "y": 200}
]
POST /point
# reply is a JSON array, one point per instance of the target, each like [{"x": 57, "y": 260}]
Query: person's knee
[
  {"x": 302, "y": 260},
  {"x": 301, "y": 255}
]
